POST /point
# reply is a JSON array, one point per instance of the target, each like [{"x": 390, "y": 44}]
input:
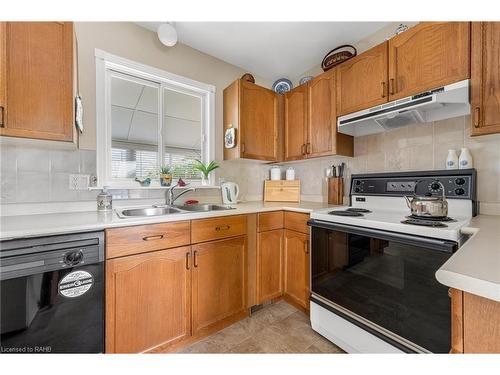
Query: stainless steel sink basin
[
  {"x": 148, "y": 211},
  {"x": 204, "y": 207}
]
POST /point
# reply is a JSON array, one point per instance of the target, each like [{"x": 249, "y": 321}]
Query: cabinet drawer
[
  {"x": 297, "y": 221},
  {"x": 270, "y": 221},
  {"x": 219, "y": 227},
  {"x": 143, "y": 238}
]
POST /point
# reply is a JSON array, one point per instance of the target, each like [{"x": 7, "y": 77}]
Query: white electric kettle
[{"x": 230, "y": 192}]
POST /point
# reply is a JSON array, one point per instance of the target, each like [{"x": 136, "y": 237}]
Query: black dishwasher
[{"x": 52, "y": 294}]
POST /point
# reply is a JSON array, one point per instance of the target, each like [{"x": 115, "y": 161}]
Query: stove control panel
[{"x": 456, "y": 185}]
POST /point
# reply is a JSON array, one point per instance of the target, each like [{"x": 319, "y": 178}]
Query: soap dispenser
[{"x": 104, "y": 200}]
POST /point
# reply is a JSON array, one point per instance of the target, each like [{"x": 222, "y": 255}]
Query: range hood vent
[{"x": 438, "y": 104}]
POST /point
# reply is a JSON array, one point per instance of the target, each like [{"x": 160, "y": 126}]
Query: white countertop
[
  {"x": 21, "y": 226},
  {"x": 475, "y": 267}
]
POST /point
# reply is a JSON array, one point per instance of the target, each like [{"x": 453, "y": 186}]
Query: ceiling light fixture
[{"x": 167, "y": 34}]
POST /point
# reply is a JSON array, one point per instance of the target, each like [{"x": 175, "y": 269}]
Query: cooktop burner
[
  {"x": 345, "y": 213},
  {"x": 425, "y": 223},
  {"x": 356, "y": 209},
  {"x": 430, "y": 218}
]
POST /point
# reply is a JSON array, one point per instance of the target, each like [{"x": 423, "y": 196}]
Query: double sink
[{"x": 169, "y": 210}]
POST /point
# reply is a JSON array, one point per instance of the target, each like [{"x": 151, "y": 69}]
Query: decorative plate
[
  {"x": 282, "y": 85},
  {"x": 230, "y": 137},
  {"x": 305, "y": 79}
]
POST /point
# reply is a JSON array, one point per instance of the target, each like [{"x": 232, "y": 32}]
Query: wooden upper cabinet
[
  {"x": 296, "y": 267},
  {"x": 3, "y": 72},
  {"x": 219, "y": 281},
  {"x": 322, "y": 127},
  {"x": 362, "y": 81},
  {"x": 147, "y": 300},
  {"x": 296, "y": 123},
  {"x": 253, "y": 111},
  {"x": 428, "y": 55},
  {"x": 36, "y": 80},
  {"x": 485, "y": 78}
]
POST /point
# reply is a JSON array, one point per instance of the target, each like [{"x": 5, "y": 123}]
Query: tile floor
[{"x": 277, "y": 328}]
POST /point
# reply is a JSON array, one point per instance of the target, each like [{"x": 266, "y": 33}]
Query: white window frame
[{"x": 107, "y": 65}]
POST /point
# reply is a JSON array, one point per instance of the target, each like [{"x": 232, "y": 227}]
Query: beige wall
[{"x": 130, "y": 41}]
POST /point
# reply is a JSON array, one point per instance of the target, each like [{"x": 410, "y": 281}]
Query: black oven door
[{"x": 385, "y": 278}]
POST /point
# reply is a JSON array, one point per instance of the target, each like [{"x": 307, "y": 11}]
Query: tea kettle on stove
[{"x": 428, "y": 205}]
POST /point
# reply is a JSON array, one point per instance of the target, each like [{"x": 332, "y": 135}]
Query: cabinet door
[
  {"x": 39, "y": 80},
  {"x": 296, "y": 123},
  {"x": 362, "y": 81},
  {"x": 427, "y": 56},
  {"x": 322, "y": 129},
  {"x": 269, "y": 264},
  {"x": 258, "y": 122},
  {"x": 3, "y": 72},
  {"x": 219, "y": 281},
  {"x": 481, "y": 319},
  {"x": 485, "y": 78},
  {"x": 297, "y": 267},
  {"x": 147, "y": 300}
]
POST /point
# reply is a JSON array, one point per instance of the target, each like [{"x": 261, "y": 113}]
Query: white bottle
[
  {"x": 452, "y": 160},
  {"x": 290, "y": 173},
  {"x": 465, "y": 160}
]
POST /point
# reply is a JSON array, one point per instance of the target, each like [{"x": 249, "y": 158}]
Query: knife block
[{"x": 336, "y": 190}]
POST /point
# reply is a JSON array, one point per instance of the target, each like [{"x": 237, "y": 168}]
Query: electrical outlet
[{"x": 79, "y": 181}]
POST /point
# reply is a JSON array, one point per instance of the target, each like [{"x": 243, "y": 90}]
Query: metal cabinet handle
[
  {"x": 195, "y": 259},
  {"x": 188, "y": 256},
  {"x": 155, "y": 237},
  {"x": 383, "y": 89},
  {"x": 392, "y": 86},
  {"x": 222, "y": 227},
  {"x": 477, "y": 116},
  {"x": 308, "y": 148},
  {"x": 306, "y": 246},
  {"x": 2, "y": 116},
  {"x": 242, "y": 148},
  {"x": 302, "y": 149}
]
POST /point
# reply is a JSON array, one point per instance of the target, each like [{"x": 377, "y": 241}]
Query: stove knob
[
  {"x": 459, "y": 191},
  {"x": 435, "y": 186},
  {"x": 460, "y": 181},
  {"x": 358, "y": 182},
  {"x": 73, "y": 258},
  {"x": 357, "y": 190}
]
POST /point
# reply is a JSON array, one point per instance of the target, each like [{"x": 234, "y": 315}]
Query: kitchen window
[{"x": 148, "y": 118}]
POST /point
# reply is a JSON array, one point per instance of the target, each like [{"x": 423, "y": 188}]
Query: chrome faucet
[{"x": 171, "y": 197}]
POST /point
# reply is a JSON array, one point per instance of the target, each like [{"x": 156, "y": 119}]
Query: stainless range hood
[{"x": 438, "y": 104}]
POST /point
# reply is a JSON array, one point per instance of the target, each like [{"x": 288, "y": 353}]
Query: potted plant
[
  {"x": 165, "y": 176},
  {"x": 205, "y": 169}
]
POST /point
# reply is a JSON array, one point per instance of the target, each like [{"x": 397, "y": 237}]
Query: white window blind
[
  {"x": 181, "y": 161},
  {"x": 130, "y": 163}
]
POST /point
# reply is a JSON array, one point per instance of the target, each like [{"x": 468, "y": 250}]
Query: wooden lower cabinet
[
  {"x": 269, "y": 265},
  {"x": 147, "y": 300},
  {"x": 475, "y": 323},
  {"x": 296, "y": 267},
  {"x": 219, "y": 281}
]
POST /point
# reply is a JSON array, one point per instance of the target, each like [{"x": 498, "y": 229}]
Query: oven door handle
[{"x": 427, "y": 242}]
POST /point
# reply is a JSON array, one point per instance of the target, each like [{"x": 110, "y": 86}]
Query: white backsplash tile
[{"x": 33, "y": 187}]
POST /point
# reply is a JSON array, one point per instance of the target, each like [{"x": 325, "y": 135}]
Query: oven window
[{"x": 389, "y": 283}]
